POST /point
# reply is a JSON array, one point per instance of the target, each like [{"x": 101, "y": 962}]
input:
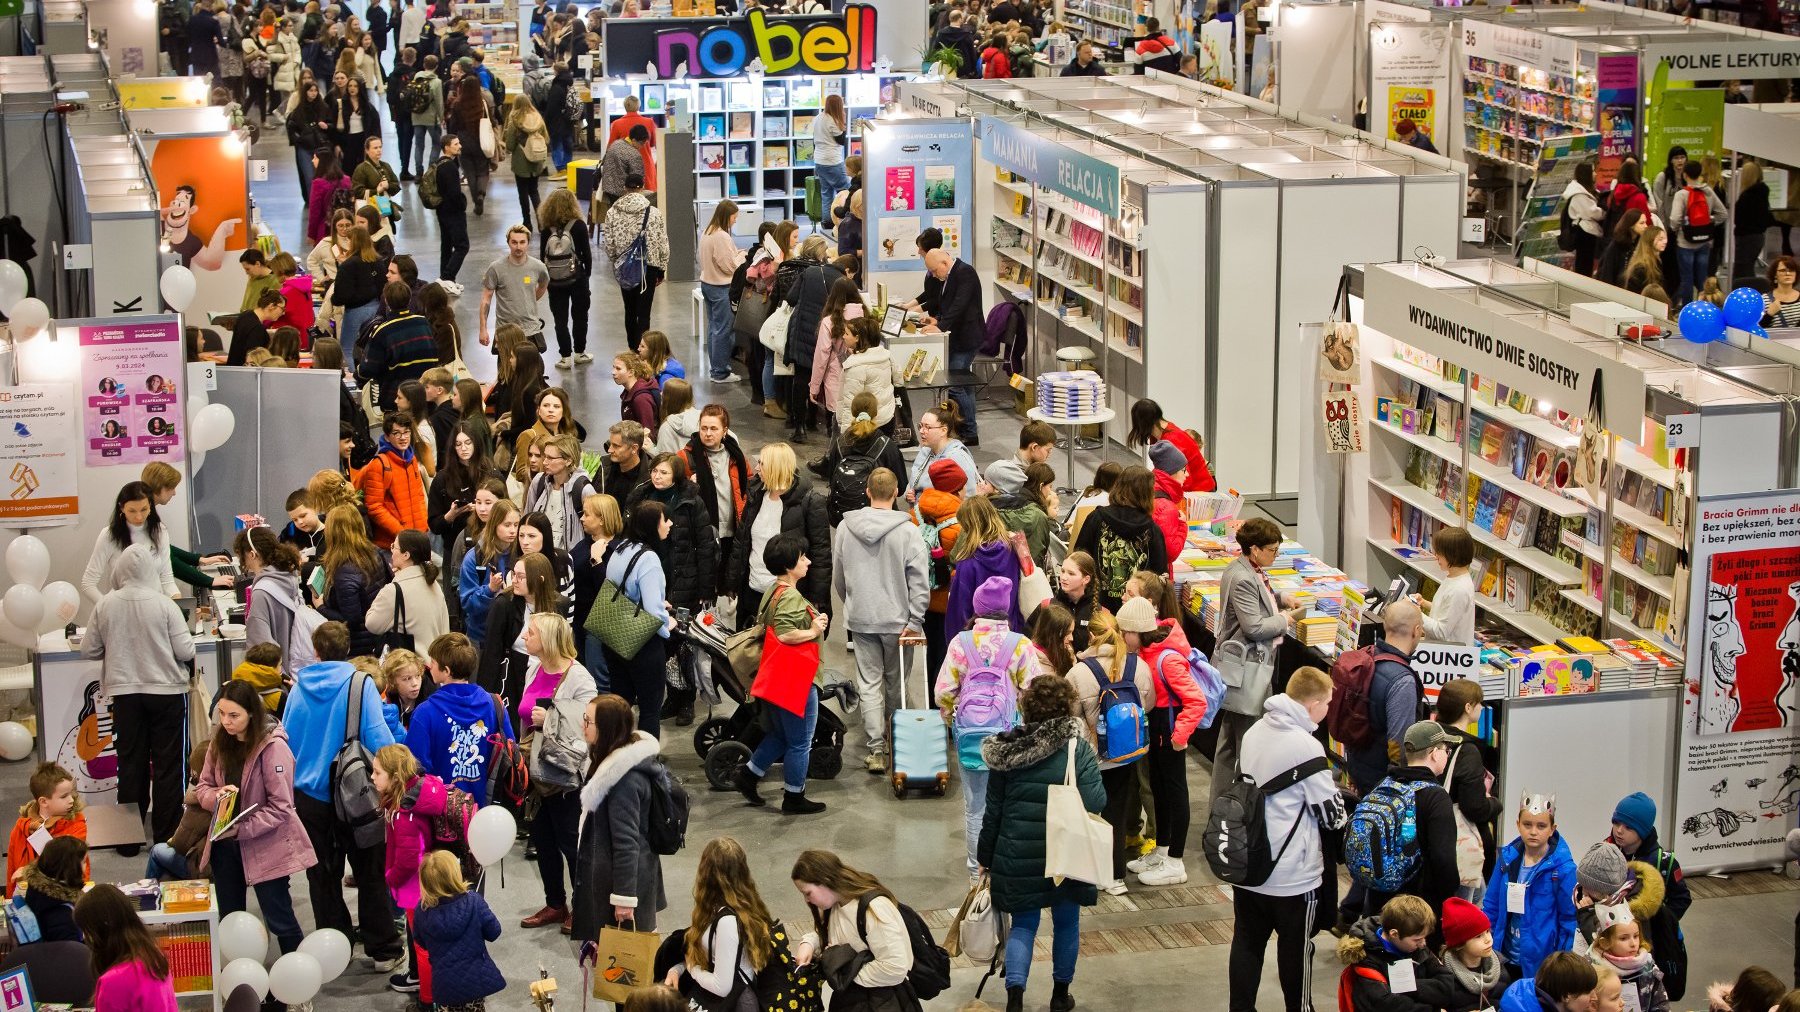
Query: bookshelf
[
  {"x": 1106, "y": 23},
  {"x": 494, "y": 29},
  {"x": 1083, "y": 268}
]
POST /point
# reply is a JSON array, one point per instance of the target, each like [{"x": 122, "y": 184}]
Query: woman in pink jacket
[
  {"x": 1173, "y": 720},
  {"x": 250, "y": 768},
  {"x": 411, "y": 798}
]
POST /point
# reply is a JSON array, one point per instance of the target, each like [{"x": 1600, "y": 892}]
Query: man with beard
[{"x": 178, "y": 220}]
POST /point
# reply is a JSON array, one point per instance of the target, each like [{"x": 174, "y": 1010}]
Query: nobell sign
[{"x": 724, "y": 47}]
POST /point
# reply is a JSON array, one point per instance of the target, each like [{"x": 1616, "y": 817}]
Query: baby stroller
[{"x": 725, "y": 743}]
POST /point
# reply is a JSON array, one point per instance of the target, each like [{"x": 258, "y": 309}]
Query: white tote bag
[
  {"x": 1469, "y": 855},
  {"x": 1077, "y": 843}
]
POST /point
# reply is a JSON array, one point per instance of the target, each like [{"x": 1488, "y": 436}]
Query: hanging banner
[
  {"x": 40, "y": 465},
  {"x": 1693, "y": 118},
  {"x": 203, "y": 194},
  {"x": 1409, "y": 71},
  {"x": 1087, "y": 180},
  {"x": 1617, "y": 91},
  {"x": 131, "y": 401},
  {"x": 1741, "y": 59},
  {"x": 1739, "y": 785}
]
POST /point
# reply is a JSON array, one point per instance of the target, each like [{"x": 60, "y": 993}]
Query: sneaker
[
  {"x": 876, "y": 762},
  {"x": 729, "y": 377},
  {"x": 583, "y": 358},
  {"x": 1139, "y": 865},
  {"x": 1117, "y": 888},
  {"x": 799, "y": 804},
  {"x": 388, "y": 965},
  {"x": 564, "y": 364},
  {"x": 548, "y": 915},
  {"x": 1169, "y": 871},
  {"x": 402, "y": 983}
]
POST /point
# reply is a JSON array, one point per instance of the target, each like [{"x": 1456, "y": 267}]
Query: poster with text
[
  {"x": 1410, "y": 66},
  {"x": 897, "y": 239},
  {"x": 1739, "y": 781},
  {"x": 40, "y": 464},
  {"x": 1617, "y": 81},
  {"x": 130, "y": 397},
  {"x": 1415, "y": 105},
  {"x": 1693, "y": 118},
  {"x": 925, "y": 172}
]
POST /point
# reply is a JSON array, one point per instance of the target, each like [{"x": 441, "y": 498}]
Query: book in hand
[{"x": 227, "y": 817}]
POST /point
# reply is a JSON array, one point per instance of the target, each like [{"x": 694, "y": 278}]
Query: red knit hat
[
  {"x": 1462, "y": 921},
  {"x": 947, "y": 476}
]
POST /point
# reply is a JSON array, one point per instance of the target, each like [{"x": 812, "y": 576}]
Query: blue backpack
[
  {"x": 1212, "y": 686},
  {"x": 1381, "y": 845},
  {"x": 1123, "y": 732},
  {"x": 987, "y": 701}
]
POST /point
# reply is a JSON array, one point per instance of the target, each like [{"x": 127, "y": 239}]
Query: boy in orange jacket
[{"x": 54, "y": 808}]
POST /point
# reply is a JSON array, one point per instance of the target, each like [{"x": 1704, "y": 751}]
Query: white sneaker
[
  {"x": 564, "y": 364},
  {"x": 1117, "y": 888},
  {"x": 1139, "y": 865},
  {"x": 583, "y": 358},
  {"x": 1168, "y": 872}
]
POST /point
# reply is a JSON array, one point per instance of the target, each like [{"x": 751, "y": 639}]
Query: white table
[
  {"x": 1075, "y": 424},
  {"x": 700, "y": 349}
]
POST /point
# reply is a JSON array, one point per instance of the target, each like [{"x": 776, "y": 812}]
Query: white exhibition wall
[
  {"x": 1315, "y": 69},
  {"x": 1240, "y": 419}
]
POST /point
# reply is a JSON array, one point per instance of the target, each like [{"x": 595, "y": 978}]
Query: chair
[
  {"x": 59, "y": 971},
  {"x": 243, "y": 999}
]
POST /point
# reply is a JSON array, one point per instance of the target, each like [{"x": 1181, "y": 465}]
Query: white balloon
[
  {"x": 212, "y": 426},
  {"x": 24, "y": 605},
  {"x": 15, "y": 741},
  {"x": 244, "y": 971},
  {"x": 16, "y": 636},
  {"x": 177, "y": 287},
  {"x": 196, "y": 402},
  {"x": 27, "y": 560},
  {"x": 61, "y": 602},
  {"x": 491, "y": 834},
  {"x": 331, "y": 949},
  {"x": 13, "y": 285},
  {"x": 242, "y": 936},
  {"x": 295, "y": 978},
  {"x": 196, "y": 458},
  {"x": 29, "y": 317}
]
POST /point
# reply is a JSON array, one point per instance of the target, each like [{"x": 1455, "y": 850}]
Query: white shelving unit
[
  {"x": 1107, "y": 23},
  {"x": 494, "y": 29}
]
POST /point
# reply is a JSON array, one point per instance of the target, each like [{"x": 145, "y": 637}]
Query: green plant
[{"x": 948, "y": 57}]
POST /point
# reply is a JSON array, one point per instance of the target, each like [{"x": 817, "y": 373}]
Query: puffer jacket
[
  {"x": 347, "y": 600},
  {"x": 935, "y": 507},
  {"x": 409, "y": 836},
  {"x": 53, "y": 904},
  {"x": 1167, "y": 512},
  {"x": 1023, "y": 764},
  {"x": 1638, "y": 974},
  {"x": 271, "y": 841},
  {"x": 1024, "y": 515},
  {"x": 811, "y": 284},
  {"x": 455, "y": 933},
  {"x": 1524, "y": 996},
  {"x": 1550, "y": 897},
  {"x": 828, "y": 361},
  {"x": 1652, "y": 905},
  {"x": 393, "y": 491},
  {"x": 690, "y": 554},
  {"x": 1367, "y": 976},
  {"x": 614, "y": 861},
  {"x": 1175, "y": 686},
  {"x": 869, "y": 371},
  {"x": 803, "y": 512}
]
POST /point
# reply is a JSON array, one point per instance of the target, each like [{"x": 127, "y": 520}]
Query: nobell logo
[{"x": 724, "y": 50}]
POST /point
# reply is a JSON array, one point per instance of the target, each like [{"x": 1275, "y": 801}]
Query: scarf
[
  {"x": 666, "y": 496},
  {"x": 1478, "y": 981},
  {"x": 406, "y": 455}
]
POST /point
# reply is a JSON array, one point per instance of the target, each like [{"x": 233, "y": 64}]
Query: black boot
[
  {"x": 1015, "y": 999},
  {"x": 746, "y": 782},
  {"x": 1060, "y": 998},
  {"x": 798, "y": 804}
]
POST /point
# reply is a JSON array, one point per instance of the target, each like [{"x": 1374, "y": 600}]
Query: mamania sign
[{"x": 726, "y": 47}]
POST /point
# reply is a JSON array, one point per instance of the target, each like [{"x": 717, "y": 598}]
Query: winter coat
[
  {"x": 1167, "y": 511},
  {"x": 394, "y": 494},
  {"x": 1751, "y": 214},
  {"x": 996, "y": 558},
  {"x": 1027, "y": 517},
  {"x": 427, "y": 617},
  {"x": 1175, "y": 686},
  {"x": 1122, "y": 541},
  {"x": 690, "y": 554},
  {"x": 1650, "y": 851},
  {"x": 409, "y": 836},
  {"x": 137, "y": 631},
  {"x": 695, "y": 456},
  {"x": 1485, "y": 984},
  {"x": 638, "y": 403},
  {"x": 1637, "y": 973},
  {"x": 807, "y": 295},
  {"x": 298, "y": 311},
  {"x": 454, "y": 933},
  {"x": 803, "y": 513},
  {"x": 1524, "y": 996},
  {"x": 1023, "y": 764},
  {"x": 1549, "y": 921},
  {"x": 828, "y": 363},
  {"x": 1436, "y": 879},
  {"x": 1249, "y": 613},
  {"x": 1626, "y": 196},
  {"x": 624, "y": 220},
  {"x": 869, "y": 371},
  {"x": 574, "y": 490},
  {"x": 614, "y": 861},
  {"x": 19, "y": 849},
  {"x": 1368, "y": 977},
  {"x": 1652, "y": 905},
  {"x": 472, "y": 589},
  {"x": 502, "y": 666},
  {"x": 936, "y": 507},
  {"x": 881, "y": 572},
  {"x": 284, "y": 56},
  {"x": 845, "y": 445},
  {"x": 53, "y": 904},
  {"x": 271, "y": 840},
  {"x": 975, "y": 648},
  {"x": 347, "y": 600}
]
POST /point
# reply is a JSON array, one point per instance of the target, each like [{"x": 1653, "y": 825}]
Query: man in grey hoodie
[
  {"x": 146, "y": 674},
  {"x": 882, "y": 579}
]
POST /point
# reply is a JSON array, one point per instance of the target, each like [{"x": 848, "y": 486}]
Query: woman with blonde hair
[
  {"x": 557, "y": 690},
  {"x": 354, "y": 573},
  {"x": 601, "y": 522},
  {"x": 454, "y": 926},
  {"x": 1644, "y": 269},
  {"x": 781, "y": 500},
  {"x": 1108, "y": 660},
  {"x": 983, "y": 551},
  {"x": 567, "y": 249},
  {"x": 528, "y": 138},
  {"x": 527, "y": 464},
  {"x": 731, "y": 935}
]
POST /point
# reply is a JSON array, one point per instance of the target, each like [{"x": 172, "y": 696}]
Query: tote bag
[
  {"x": 774, "y": 329},
  {"x": 1248, "y": 670},
  {"x": 785, "y": 675},
  {"x": 625, "y": 961},
  {"x": 485, "y": 133},
  {"x": 1077, "y": 843},
  {"x": 752, "y": 310},
  {"x": 621, "y": 623},
  {"x": 1469, "y": 855}
]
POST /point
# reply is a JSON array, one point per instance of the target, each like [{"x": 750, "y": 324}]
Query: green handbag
[{"x": 621, "y": 623}]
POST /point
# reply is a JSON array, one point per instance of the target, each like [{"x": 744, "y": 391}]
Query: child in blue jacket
[
  {"x": 454, "y": 927},
  {"x": 1531, "y": 897}
]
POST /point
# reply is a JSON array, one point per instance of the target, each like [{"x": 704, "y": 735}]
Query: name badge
[
  {"x": 1400, "y": 977},
  {"x": 1515, "y": 897}
]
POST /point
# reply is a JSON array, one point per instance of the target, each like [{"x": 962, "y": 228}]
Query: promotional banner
[
  {"x": 131, "y": 400},
  {"x": 843, "y": 43},
  {"x": 1617, "y": 91},
  {"x": 203, "y": 194},
  {"x": 1409, "y": 69},
  {"x": 1081, "y": 177},
  {"x": 1739, "y": 781},
  {"x": 1691, "y": 117},
  {"x": 1552, "y": 53},
  {"x": 1741, "y": 59},
  {"x": 39, "y": 464},
  {"x": 921, "y": 175}
]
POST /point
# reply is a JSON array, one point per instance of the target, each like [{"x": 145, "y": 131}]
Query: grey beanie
[
  {"x": 1601, "y": 870},
  {"x": 1167, "y": 457}
]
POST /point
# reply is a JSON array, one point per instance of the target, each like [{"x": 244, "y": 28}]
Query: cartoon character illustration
[
  {"x": 1723, "y": 821},
  {"x": 1789, "y": 642},
  {"x": 1719, "y": 789},
  {"x": 177, "y": 219},
  {"x": 1717, "y": 703},
  {"x": 87, "y": 750},
  {"x": 1754, "y": 784},
  {"x": 1785, "y": 798}
]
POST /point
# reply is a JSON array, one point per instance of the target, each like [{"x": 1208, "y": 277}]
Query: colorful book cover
[
  {"x": 940, "y": 187},
  {"x": 899, "y": 191},
  {"x": 775, "y": 156},
  {"x": 740, "y": 155},
  {"x": 1503, "y": 517},
  {"x": 712, "y": 127},
  {"x": 743, "y": 124}
]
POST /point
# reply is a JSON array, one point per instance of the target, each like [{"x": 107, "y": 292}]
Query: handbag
[
  {"x": 485, "y": 131},
  {"x": 785, "y": 676},
  {"x": 1469, "y": 855},
  {"x": 1077, "y": 843},
  {"x": 1248, "y": 670},
  {"x": 624, "y": 962},
  {"x": 744, "y": 649},
  {"x": 774, "y": 330},
  {"x": 978, "y": 926},
  {"x": 752, "y": 310},
  {"x": 621, "y": 623},
  {"x": 397, "y": 638}
]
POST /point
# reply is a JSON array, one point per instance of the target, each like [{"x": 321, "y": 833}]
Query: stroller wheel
[
  {"x": 711, "y": 731},
  {"x": 723, "y": 762},
  {"x": 900, "y": 786},
  {"x": 826, "y": 764}
]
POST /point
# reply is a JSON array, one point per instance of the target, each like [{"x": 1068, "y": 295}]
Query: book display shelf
[
  {"x": 1510, "y": 109},
  {"x": 494, "y": 29},
  {"x": 1107, "y": 23}
]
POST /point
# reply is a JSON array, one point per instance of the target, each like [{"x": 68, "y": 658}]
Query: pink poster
[
  {"x": 900, "y": 188},
  {"x": 131, "y": 404}
]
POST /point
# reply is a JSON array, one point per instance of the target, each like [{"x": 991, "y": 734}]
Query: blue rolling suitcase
[{"x": 919, "y": 744}]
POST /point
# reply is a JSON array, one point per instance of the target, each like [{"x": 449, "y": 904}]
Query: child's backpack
[
  {"x": 1211, "y": 683},
  {"x": 1347, "y": 718},
  {"x": 930, "y": 973},
  {"x": 509, "y": 775},
  {"x": 418, "y": 93},
  {"x": 1123, "y": 732},
  {"x": 429, "y": 194},
  {"x": 1236, "y": 835},
  {"x": 22, "y": 920},
  {"x": 559, "y": 251},
  {"x": 1381, "y": 845},
  {"x": 783, "y": 984},
  {"x": 1347, "y": 984},
  {"x": 1117, "y": 558},
  {"x": 1697, "y": 226},
  {"x": 669, "y": 806},
  {"x": 298, "y": 651},
  {"x": 938, "y": 573},
  {"x": 1566, "y": 239},
  {"x": 850, "y": 478},
  {"x": 353, "y": 795},
  {"x": 450, "y": 828},
  {"x": 987, "y": 701}
]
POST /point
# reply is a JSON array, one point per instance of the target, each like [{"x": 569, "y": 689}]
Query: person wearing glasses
[
  {"x": 937, "y": 441},
  {"x": 1252, "y": 614}
]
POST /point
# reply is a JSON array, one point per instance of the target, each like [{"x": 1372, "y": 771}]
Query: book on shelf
[
  {"x": 186, "y": 896},
  {"x": 710, "y": 156},
  {"x": 774, "y": 95},
  {"x": 803, "y": 151},
  {"x": 709, "y": 187},
  {"x": 740, "y": 155},
  {"x": 712, "y": 127},
  {"x": 774, "y": 125},
  {"x": 712, "y": 98},
  {"x": 803, "y": 124},
  {"x": 741, "y": 95},
  {"x": 775, "y": 156},
  {"x": 743, "y": 124}
]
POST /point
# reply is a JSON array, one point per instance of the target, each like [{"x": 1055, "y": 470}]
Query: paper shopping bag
[{"x": 625, "y": 962}]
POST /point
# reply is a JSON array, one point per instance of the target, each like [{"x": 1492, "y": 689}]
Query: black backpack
[
  {"x": 1566, "y": 238},
  {"x": 930, "y": 973},
  {"x": 418, "y": 94},
  {"x": 850, "y": 478},
  {"x": 1236, "y": 837},
  {"x": 669, "y": 806},
  {"x": 353, "y": 795}
]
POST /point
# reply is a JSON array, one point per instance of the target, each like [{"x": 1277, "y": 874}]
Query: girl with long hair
[
  {"x": 1619, "y": 246},
  {"x": 719, "y": 260},
  {"x": 557, "y": 690},
  {"x": 531, "y": 590},
  {"x": 867, "y": 367},
  {"x": 354, "y": 573},
  {"x": 537, "y": 537},
  {"x": 601, "y": 522},
  {"x": 861, "y": 437},
  {"x": 249, "y": 767},
  {"x": 620, "y": 873},
  {"x": 410, "y": 798},
  {"x": 1107, "y": 660},
  {"x": 759, "y": 283},
  {"x": 274, "y": 570},
  {"x": 410, "y": 400},
  {"x": 654, "y": 349},
  {"x": 1121, "y": 536},
  {"x": 1074, "y": 590},
  {"x": 308, "y": 130},
  {"x": 731, "y": 935},
  {"x": 465, "y": 466},
  {"x": 411, "y": 605},
  {"x": 843, "y": 303},
  {"x": 563, "y": 236},
  {"x": 486, "y": 568},
  {"x": 435, "y": 302},
  {"x": 1053, "y": 634},
  {"x": 132, "y": 974},
  {"x": 1148, "y": 427},
  {"x": 1586, "y": 215},
  {"x": 851, "y": 907},
  {"x": 528, "y": 384},
  {"x": 469, "y": 405},
  {"x": 1645, "y": 268},
  {"x": 468, "y": 108},
  {"x": 983, "y": 550},
  {"x": 488, "y": 492},
  {"x": 134, "y": 521},
  {"x": 528, "y": 138},
  {"x": 328, "y": 176}
]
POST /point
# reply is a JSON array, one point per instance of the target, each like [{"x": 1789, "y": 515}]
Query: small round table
[{"x": 1074, "y": 424}]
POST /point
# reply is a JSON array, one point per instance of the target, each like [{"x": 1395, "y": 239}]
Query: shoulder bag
[
  {"x": 785, "y": 675},
  {"x": 1469, "y": 855},
  {"x": 1248, "y": 671},
  {"x": 1077, "y": 843},
  {"x": 621, "y": 623}
]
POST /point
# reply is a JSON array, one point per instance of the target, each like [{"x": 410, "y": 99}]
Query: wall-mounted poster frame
[{"x": 919, "y": 174}]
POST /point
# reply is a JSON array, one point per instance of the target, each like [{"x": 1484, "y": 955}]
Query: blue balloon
[
  {"x": 1743, "y": 308},
  {"x": 1701, "y": 322},
  {"x": 1756, "y": 331}
]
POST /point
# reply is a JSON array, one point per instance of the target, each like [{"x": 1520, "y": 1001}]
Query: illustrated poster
[
  {"x": 898, "y": 237},
  {"x": 1618, "y": 93},
  {"x": 1418, "y": 105},
  {"x": 40, "y": 465},
  {"x": 131, "y": 402},
  {"x": 900, "y": 195}
]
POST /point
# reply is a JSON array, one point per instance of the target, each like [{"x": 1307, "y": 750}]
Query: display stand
[
  {"x": 494, "y": 29},
  {"x": 1109, "y": 24},
  {"x": 919, "y": 173}
]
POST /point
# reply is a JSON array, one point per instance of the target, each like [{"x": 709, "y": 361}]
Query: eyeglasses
[{"x": 587, "y": 720}]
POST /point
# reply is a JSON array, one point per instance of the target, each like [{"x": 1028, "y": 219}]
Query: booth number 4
[{"x": 1684, "y": 431}]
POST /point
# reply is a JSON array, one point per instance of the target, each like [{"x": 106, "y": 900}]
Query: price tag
[
  {"x": 1684, "y": 431},
  {"x": 1515, "y": 897},
  {"x": 1400, "y": 977}
]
